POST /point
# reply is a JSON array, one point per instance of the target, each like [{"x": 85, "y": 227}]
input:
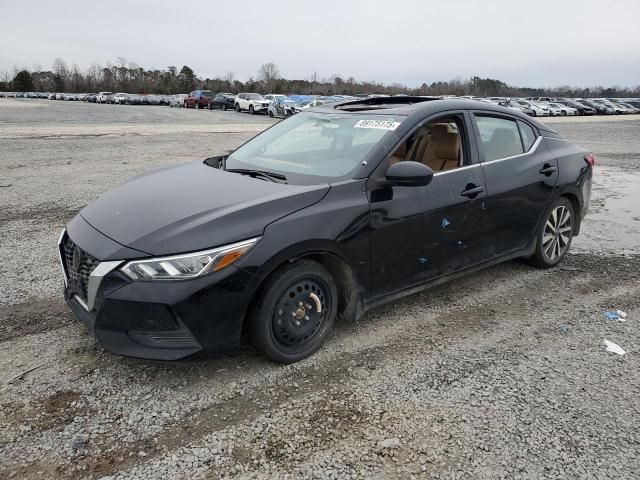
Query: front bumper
[{"x": 164, "y": 320}]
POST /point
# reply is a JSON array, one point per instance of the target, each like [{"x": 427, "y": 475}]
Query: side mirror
[{"x": 409, "y": 174}]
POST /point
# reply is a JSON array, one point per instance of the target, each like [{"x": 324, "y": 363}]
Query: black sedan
[
  {"x": 223, "y": 101},
  {"x": 580, "y": 107},
  {"x": 327, "y": 214}
]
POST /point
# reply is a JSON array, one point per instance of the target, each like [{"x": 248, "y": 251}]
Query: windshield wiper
[{"x": 274, "y": 177}]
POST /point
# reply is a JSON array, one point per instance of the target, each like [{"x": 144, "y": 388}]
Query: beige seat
[
  {"x": 443, "y": 153},
  {"x": 399, "y": 155},
  {"x": 434, "y": 145}
]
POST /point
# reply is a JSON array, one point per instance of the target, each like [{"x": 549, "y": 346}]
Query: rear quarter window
[{"x": 528, "y": 135}]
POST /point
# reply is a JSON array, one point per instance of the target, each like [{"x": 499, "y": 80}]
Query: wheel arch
[
  {"x": 350, "y": 303},
  {"x": 575, "y": 198}
]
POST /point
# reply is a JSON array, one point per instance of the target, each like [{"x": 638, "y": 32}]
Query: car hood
[{"x": 192, "y": 207}]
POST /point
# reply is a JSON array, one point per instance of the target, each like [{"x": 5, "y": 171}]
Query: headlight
[{"x": 191, "y": 265}]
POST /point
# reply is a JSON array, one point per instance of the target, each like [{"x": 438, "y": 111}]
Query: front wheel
[
  {"x": 224, "y": 107},
  {"x": 555, "y": 234},
  {"x": 295, "y": 312},
  {"x": 270, "y": 113},
  {"x": 251, "y": 110},
  {"x": 238, "y": 107}
]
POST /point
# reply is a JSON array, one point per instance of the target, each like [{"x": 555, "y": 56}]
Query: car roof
[{"x": 420, "y": 106}]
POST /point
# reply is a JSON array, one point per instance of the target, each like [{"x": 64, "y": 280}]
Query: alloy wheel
[{"x": 557, "y": 233}]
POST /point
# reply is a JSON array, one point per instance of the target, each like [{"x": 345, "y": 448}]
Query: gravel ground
[{"x": 503, "y": 374}]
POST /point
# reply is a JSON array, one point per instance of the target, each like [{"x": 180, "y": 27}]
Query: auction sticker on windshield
[{"x": 381, "y": 124}]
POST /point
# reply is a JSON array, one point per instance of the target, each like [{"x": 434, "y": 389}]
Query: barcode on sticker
[{"x": 381, "y": 124}]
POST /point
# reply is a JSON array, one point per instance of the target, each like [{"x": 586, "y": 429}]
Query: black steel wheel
[
  {"x": 555, "y": 234},
  {"x": 295, "y": 312}
]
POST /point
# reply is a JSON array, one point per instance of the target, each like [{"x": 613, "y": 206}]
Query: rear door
[{"x": 520, "y": 178}]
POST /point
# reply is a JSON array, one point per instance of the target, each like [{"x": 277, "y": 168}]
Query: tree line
[{"x": 128, "y": 77}]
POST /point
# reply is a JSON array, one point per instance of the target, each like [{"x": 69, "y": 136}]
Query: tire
[
  {"x": 196, "y": 106},
  {"x": 555, "y": 234},
  {"x": 238, "y": 107},
  {"x": 563, "y": 113},
  {"x": 270, "y": 113},
  {"x": 251, "y": 110},
  {"x": 534, "y": 114},
  {"x": 224, "y": 107},
  {"x": 285, "y": 324}
]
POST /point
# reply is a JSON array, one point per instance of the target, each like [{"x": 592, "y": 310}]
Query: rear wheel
[
  {"x": 555, "y": 234},
  {"x": 270, "y": 113},
  {"x": 224, "y": 107},
  {"x": 238, "y": 107},
  {"x": 197, "y": 106},
  {"x": 563, "y": 113},
  {"x": 295, "y": 312}
]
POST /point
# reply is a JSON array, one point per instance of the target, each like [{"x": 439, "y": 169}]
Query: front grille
[{"x": 77, "y": 271}]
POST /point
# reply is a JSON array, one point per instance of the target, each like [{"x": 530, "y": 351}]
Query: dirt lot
[{"x": 503, "y": 374}]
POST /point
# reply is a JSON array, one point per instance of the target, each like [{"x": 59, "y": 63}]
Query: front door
[{"x": 420, "y": 233}]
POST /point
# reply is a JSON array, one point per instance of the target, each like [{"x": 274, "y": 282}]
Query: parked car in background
[
  {"x": 223, "y": 101},
  {"x": 272, "y": 96},
  {"x": 281, "y": 107},
  {"x": 600, "y": 109},
  {"x": 536, "y": 109},
  {"x": 104, "y": 97},
  {"x": 120, "y": 98},
  {"x": 514, "y": 105},
  {"x": 562, "y": 110},
  {"x": 177, "y": 100},
  {"x": 91, "y": 98},
  {"x": 198, "y": 99},
  {"x": 251, "y": 102},
  {"x": 581, "y": 108}
]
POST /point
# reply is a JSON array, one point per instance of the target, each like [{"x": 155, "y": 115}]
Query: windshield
[
  {"x": 315, "y": 144},
  {"x": 254, "y": 96}
]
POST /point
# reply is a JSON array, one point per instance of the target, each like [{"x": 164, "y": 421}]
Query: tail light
[{"x": 590, "y": 159}]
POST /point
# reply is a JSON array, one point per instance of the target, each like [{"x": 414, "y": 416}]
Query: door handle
[
  {"x": 547, "y": 169},
  {"x": 472, "y": 192}
]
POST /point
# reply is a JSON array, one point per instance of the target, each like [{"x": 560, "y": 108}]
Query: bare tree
[{"x": 269, "y": 73}]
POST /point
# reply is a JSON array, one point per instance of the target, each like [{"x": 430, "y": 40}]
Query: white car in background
[
  {"x": 104, "y": 97},
  {"x": 538, "y": 111},
  {"x": 563, "y": 109},
  {"x": 252, "y": 102},
  {"x": 177, "y": 100},
  {"x": 272, "y": 97},
  {"x": 120, "y": 98}
]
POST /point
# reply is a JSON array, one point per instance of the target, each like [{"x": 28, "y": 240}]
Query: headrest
[
  {"x": 447, "y": 147},
  {"x": 504, "y": 136},
  {"x": 439, "y": 130}
]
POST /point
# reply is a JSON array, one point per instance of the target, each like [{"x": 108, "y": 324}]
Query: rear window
[{"x": 500, "y": 137}]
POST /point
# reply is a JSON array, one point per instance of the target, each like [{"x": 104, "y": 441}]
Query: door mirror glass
[{"x": 409, "y": 174}]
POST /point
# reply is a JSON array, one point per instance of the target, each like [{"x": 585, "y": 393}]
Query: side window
[
  {"x": 500, "y": 137},
  {"x": 440, "y": 144},
  {"x": 528, "y": 135}
]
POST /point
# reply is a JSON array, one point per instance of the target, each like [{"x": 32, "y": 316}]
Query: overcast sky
[{"x": 526, "y": 43}]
